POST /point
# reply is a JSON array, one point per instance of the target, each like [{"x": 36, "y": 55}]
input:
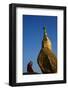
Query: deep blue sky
[{"x": 33, "y": 35}]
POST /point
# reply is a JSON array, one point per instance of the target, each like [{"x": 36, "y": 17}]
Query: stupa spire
[
  {"x": 46, "y": 43},
  {"x": 45, "y": 33},
  {"x": 44, "y": 28}
]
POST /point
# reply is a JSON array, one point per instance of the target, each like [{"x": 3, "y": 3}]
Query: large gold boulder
[{"x": 47, "y": 61}]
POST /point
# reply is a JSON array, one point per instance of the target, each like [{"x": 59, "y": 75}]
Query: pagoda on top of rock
[{"x": 47, "y": 60}]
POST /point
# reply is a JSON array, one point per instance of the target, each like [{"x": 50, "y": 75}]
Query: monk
[{"x": 29, "y": 68}]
